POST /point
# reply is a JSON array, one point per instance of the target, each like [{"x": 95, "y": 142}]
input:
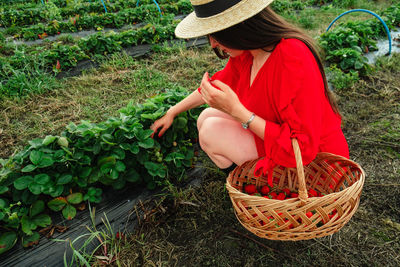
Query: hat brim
[{"x": 192, "y": 26}]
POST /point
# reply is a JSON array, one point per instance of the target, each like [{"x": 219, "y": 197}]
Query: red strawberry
[
  {"x": 309, "y": 214},
  {"x": 286, "y": 191},
  {"x": 273, "y": 195},
  {"x": 294, "y": 195},
  {"x": 281, "y": 196},
  {"x": 265, "y": 190},
  {"x": 119, "y": 235},
  {"x": 58, "y": 66},
  {"x": 312, "y": 192},
  {"x": 250, "y": 188}
]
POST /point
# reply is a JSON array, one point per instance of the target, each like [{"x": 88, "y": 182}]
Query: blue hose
[
  {"x": 372, "y": 13},
  {"x": 155, "y": 2},
  {"x": 104, "y": 5},
  {"x": 105, "y": 8}
]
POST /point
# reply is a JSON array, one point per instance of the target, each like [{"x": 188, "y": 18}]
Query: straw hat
[{"x": 215, "y": 15}]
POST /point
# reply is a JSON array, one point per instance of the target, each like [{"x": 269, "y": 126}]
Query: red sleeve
[{"x": 298, "y": 98}]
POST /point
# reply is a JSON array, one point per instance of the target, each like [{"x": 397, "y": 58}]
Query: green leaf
[
  {"x": 174, "y": 156},
  {"x": 41, "y": 178},
  {"x": 358, "y": 65},
  {"x": 84, "y": 172},
  {"x": 62, "y": 141},
  {"x": 108, "y": 139},
  {"x": 57, "y": 204},
  {"x": 3, "y": 189},
  {"x": 28, "y": 197},
  {"x": 134, "y": 148},
  {"x": 48, "y": 140},
  {"x": 29, "y": 168},
  {"x": 69, "y": 212},
  {"x": 146, "y": 143},
  {"x": 85, "y": 160},
  {"x": 132, "y": 176},
  {"x": 57, "y": 191},
  {"x": 36, "y": 208},
  {"x": 75, "y": 198},
  {"x": 23, "y": 182},
  {"x": 28, "y": 241},
  {"x": 142, "y": 135},
  {"x": 58, "y": 156},
  {"x": 36, "y": 156},
  {"x": 155, "y": 169},
  {"x": 181, "y": 122},
  {"x": 120, "y": 166},
  {"x": 64, "y": 179},
  {"x": 36, "y": 143},
  {"x": 46, "y": 161},
  {"x": 3, "y": 203},
  {"x": 162, "y": 172},
  {"x": 114, "y": 174},
  {"x": 7, "y": 241},
  {"x": 118, "y": 153},
  {"x": 104, "y": 160},
  {"x": 35, "y": 188},
  {"x": 106, "y": 168},
  {"x": 27, "y": 225},
  {"x": 42, "y": 220}
]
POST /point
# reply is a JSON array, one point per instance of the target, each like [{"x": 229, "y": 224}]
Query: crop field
[{"x": 82, "y": 81}]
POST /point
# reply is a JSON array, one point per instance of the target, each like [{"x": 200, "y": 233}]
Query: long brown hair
[{"x": 266, "y": 29}]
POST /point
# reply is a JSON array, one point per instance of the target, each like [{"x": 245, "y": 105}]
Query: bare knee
[
  {"x": 211, "y": 112},
  {"x": 207, "y": 132},
  {"x": 206, "y": 113}
]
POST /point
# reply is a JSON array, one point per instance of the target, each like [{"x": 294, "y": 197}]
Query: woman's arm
[
  {"x": 191, "y": 101},
  {"x": 226, "y": 100}
]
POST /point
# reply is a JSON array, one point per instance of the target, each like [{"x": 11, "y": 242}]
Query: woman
[{"x": 272, "y": 89}]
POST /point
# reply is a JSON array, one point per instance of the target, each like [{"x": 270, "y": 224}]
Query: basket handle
[{"x": 300, "y": 171}]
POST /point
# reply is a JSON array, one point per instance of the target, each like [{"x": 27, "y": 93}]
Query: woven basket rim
[{"x": 232, "y": 189}]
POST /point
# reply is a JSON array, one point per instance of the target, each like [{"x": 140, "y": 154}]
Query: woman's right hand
[{"x": 162, "y": 124}]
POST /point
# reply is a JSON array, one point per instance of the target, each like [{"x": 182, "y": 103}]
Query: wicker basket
[{"x": 339, "y": 178}]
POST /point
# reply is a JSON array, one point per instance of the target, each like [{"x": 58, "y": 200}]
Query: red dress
[{"x": 288, "y": 92}]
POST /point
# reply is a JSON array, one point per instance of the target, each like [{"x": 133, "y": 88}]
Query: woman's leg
[{"x": 224, "y": 140}]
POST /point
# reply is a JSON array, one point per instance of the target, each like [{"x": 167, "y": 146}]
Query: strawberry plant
[{"x": 88, "y": 156}]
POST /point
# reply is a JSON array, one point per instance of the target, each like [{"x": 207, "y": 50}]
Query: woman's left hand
[{"x": 224, "y": 99}]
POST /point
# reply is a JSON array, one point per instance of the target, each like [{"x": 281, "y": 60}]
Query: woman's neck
[{"x": 259, "y": 56}]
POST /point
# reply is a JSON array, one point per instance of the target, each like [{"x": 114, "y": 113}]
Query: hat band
[{"x": 213, "y": 8}]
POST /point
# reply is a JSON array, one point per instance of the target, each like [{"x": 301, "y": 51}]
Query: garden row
[
  {"x": 24, "y": 4},
  {"x": 23, "y": 60},
  {"x": 58, "y": 173},
  {"x": 50, "y": 11},
  {"x": 80, "y": 22}
]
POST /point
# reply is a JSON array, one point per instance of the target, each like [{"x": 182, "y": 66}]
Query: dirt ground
[{"x": 197, "y": 226}]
